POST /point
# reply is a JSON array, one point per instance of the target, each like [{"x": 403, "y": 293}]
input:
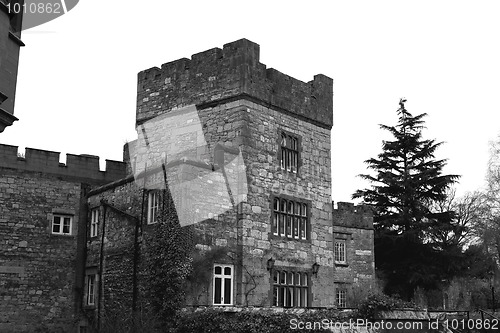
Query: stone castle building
[
  {"x": 10, "y": 43},
  {"x": 245, "y": 151}
]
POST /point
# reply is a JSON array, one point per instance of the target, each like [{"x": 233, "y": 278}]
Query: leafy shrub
[
  {"x": 381, "y": 302},
  {"x": 257, "y": 321}
]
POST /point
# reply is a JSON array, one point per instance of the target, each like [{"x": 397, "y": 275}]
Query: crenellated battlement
[
  {"x": 84, "y": 167},
  {"x": 349, "y": 215},
  {"x": 229, "y": 73}
]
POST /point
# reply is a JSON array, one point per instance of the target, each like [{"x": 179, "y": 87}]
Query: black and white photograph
[{"x": 249, "y": 167}]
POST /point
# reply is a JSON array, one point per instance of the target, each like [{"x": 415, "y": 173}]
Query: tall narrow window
[
  {"x": 276, "y": 207},
  {"x": 61, "y": 224},
  {"x": 223, "y": 285},
  {"x": 339, "y": 251},
  {"x": 290, "y": 219},
  {"x": 91, "y": 289},
  {"x": 94, "y": 222},
  {"x": 289, "y": 152},
  {"x": 290, "y": 289},
  {"x": 341, "y": 296},
  {"x": 153, "y": 204}
]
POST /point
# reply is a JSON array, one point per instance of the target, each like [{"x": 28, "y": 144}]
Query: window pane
[
  {"x": 91, "y": 289},
  {"x": 56, "y": 227},
  {"x": 290, "y": 279},
  {"x": 289, "y": 226},
  {"x": 303, "y": 228},
  {"x": 283, "y": 155},
  {"x": 289, "y": 297},
  {"x": 283, "y": 278},
  {"x": 217, "y": 291},
  {"x": 282, "y": 225},
  {"x": 283, "y": 140},
  {"x": 227, "y": 291},
  {"x": 275, "y": 296},
  {"x": 276, "y": 204},
  {"x": 299, "y": 300},
  {"x": 281, "y": 296},
  {"x": 275, "y": 223},
  {"x": 304, "y": 210},
  {"x": 276, "y": 276},
  {"x": 283, "y": 205},
  {"x": 218, "y": 270},
  {"x": 304, "y": 279},
  {"x": 66, "y": 226},
  {"x": 304, "y": 297},
  {"x": 227, "y": 270},
  {"x": 290, "y": 207},
  {"x": 297, "y": 279},
  {"x": 295, "y": 227}
]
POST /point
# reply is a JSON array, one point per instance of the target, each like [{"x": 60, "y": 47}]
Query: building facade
[
  {"x": 244, "y": 151},
  {"x": 43, "y": 207}
]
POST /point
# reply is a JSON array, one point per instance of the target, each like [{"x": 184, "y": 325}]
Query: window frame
[
  {"x": 289, "y": 281},
  {"x": 152, "y": 210},
  {"x": 223, "y": 277},
  {"x": 340, "y": 296},
  {"x": 90, "y": 295},
  {"x": 94, "y": 222},
  {"x": 289, "y": 153},
  {"x": 343, "y": 250},
  {"x": 62, "y": 217},
  {"x": 288, "y": 223}
]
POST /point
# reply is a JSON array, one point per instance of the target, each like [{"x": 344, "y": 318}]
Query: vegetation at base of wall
[
  {"x": 259, "y": 321},
  {"x": 375, "y": 303},
  {"x": 203, "y": 261},
  {"x": 122, "y": 321},
  {"x": 168, "y": 261}
]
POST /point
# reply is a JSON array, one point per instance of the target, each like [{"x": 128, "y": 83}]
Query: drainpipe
[
  {"x": 138, "y": 224},
  {"x": 101, "y": 272},
  {"x": 81, "y": 249}
]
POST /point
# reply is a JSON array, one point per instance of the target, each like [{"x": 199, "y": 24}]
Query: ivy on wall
[{"x": 167, "y": 261}]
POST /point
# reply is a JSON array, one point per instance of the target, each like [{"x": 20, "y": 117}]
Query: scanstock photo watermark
[
  {"x": 38, "y": 12},
  {"x": 204, "y": 181},
  {"x": 400, "y": 325}
]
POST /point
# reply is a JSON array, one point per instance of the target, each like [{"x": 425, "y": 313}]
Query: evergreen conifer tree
[{"x": 408, "y": 179}]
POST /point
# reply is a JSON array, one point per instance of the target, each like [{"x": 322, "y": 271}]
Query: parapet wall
[
  {"x": 84, "y": 167},
  {"x": 349, "y": 215},
  {"x": 233, "y": 72}
]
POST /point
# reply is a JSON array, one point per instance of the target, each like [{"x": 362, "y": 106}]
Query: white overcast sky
[{"x": 77, "y": 74}]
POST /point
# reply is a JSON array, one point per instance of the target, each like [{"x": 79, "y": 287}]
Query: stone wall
[
  {"x": 231, "y": 73},
  {"x": 37, "y": 267},
  {"x": 41, "y": 271},
  {"x": 84, "y": 168},
  {"x": 354, "y": 225},
  {"x": 119, "y": 211}
]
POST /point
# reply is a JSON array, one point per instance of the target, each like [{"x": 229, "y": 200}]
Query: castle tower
[
  {"x": 245, "y": 151},
  {"x": 280, "y": 234}
]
